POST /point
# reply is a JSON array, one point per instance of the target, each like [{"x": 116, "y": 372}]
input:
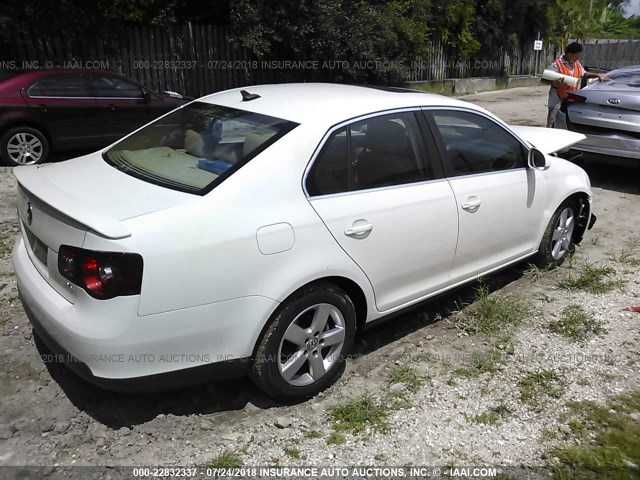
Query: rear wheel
[
  {"x": 23, "y": 146},
  {"x": 557, "y": 242},
  {"x": 305, "y": 346}
]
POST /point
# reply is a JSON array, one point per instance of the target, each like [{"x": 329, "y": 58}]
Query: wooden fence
[
  {"x": 199, "y": 59},
  {"x": 438, "y": 64},
  {"x": 191, "y": 59},
  {"x": 610, "y": 54}
]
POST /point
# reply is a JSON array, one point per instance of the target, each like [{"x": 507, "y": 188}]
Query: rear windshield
[{"x": 196, "y": 147}]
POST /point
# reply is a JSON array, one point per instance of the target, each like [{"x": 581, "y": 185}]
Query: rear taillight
[
  {"x": 572, "y": 97},
  {"x": 102, "y": 275}
]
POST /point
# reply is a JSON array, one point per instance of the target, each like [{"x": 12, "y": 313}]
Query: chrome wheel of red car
[{"x": 23, "y": 146}]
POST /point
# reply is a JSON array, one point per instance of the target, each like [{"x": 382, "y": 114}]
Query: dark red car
[{"x": 47, "y": 110}]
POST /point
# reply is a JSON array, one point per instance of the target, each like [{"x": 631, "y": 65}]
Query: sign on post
[{"x": 537, "y": 44}]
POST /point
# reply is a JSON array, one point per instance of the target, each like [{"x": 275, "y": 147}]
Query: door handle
[
  {"x": 358, "y": 230},
  {"x": 472, "y": 203}
]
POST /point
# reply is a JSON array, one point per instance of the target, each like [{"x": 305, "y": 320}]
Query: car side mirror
[
  {"x": 146, "y": 96},
  {"x": 537, "y": 159}
]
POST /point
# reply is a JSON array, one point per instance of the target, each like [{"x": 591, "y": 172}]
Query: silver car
[{"x": 608, "y": 113}]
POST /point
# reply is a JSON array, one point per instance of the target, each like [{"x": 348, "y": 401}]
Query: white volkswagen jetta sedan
[{"x": 256, "y": 231}]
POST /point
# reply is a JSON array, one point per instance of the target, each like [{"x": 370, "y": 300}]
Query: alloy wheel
[
  {"x": 562, "y": 234},
  {"x": 24, "y": 148},
  {"x": 311, "y": 344}
]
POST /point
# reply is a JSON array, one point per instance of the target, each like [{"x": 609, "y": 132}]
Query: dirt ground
[{"x": 50, "y": 417}]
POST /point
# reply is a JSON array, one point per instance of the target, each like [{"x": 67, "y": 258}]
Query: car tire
[
  {"x": 557, "y": 242},
  {"x": 23, "y": 146},
  {"x": 294, "y": 359}
]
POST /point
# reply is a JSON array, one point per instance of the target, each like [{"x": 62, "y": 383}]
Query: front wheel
[
  {"x": 306, "y": 344},
  {"x": 557, "y": 242},
  {"x": 23, "y": 146}
]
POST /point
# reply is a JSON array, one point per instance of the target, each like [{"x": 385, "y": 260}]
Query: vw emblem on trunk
[
  {"x": 29, "y": 213},
  {"x": 613, "y": 101}
]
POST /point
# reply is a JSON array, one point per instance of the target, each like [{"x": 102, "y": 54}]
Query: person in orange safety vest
[{"x": 568, "y": 65}]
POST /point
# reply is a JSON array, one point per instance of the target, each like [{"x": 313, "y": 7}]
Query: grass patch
[
  {"x": 313, "y": 434},
  {"x": 537, "y": 388},
  {"x": 485, "y": 418},
  {"x": 608, "y": 440},
  {"x": 358, "y": 415},
  {"x": 593, "y": 280},
  {"x": 491, "y": 417},
  {"x": 536, "y": 273},
  {"x": 577, "y": 324},
  {"x": 292, "y": 452},
  {"x": 406, "y": 375},
  {"x": 336, "y": 438},
  {"x": 548, "y": 435},
  {"x": 490, "y": 314},
  {"x": 6, "y": 245},
  {"x": 628, "y": 255},
  {"x": 481, "y": 363},
  {"x": 227, "y": 459}
]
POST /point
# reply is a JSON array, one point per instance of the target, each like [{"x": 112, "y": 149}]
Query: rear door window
[
  {"x": 60, "y": 86},
  {"x": 381, "y": 151}
]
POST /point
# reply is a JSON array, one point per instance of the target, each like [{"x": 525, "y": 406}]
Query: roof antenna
[{"x": 247, "y": 97}]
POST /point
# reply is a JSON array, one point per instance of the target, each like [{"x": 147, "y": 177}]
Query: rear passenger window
[
  {"x": 60, "y": 86},
  {"x": 475, "y": 144},
  {"x": 376, "y": 152},
  {"x": 330, "y": 172}
]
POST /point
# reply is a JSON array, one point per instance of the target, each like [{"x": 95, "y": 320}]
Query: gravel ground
[{"x": 50, "y": 417}]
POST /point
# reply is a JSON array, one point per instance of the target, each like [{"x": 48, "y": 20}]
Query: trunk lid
[
  {"x": 610, "y": 108},
  {"x": 548, "y": 140},
  {"x": 59, "y": 203}
]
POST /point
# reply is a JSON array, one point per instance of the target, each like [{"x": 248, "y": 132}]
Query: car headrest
[
  {"x": 386, "y": 136},
  {"x": 193, "y": 143},
  {"x": 253, "y": 141}
]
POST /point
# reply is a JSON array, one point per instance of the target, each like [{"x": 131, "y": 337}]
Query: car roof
[{"x": 327, "y": 103}]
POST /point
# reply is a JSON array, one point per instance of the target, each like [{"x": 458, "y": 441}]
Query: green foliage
[
  {"x": 537, "y": 388},
  {"x": 608, "y": 440},
  {"x": 360, "y": 414},
  {"x": 227, "y": 459},
  {"x": 454, "y": 21},
  {"x": 392, "y": 34},
  {"x": 577, "y": 324},
  {"x": 583, "y": 19},
  {"x": 592, "y": 279},
  {"x": 490, "y": 314}
]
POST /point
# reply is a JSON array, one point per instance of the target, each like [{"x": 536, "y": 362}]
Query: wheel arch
[
  {"x": 584, "y": 214},
  {"x": 351, "y": 288}
]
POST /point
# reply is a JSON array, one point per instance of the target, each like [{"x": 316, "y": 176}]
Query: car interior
[
  {"x": 383, "y": 153},
  {"x": 472, "y": 148}
]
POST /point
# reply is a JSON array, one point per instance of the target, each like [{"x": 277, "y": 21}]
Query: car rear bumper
[
  {"x": 127, "y": 352},
  {"x": 614, "y": 143}
]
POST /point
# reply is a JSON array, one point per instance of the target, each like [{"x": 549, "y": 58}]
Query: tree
[{"x": 358, "y": 32}]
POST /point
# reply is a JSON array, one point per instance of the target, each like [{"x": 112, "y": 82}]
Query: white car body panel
[
  {"x": 84, "y": 203},
  {"x": 504, "y": 226},
  {"x": 217, "y": 266},
  {"x": 393, "y": 213}
]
